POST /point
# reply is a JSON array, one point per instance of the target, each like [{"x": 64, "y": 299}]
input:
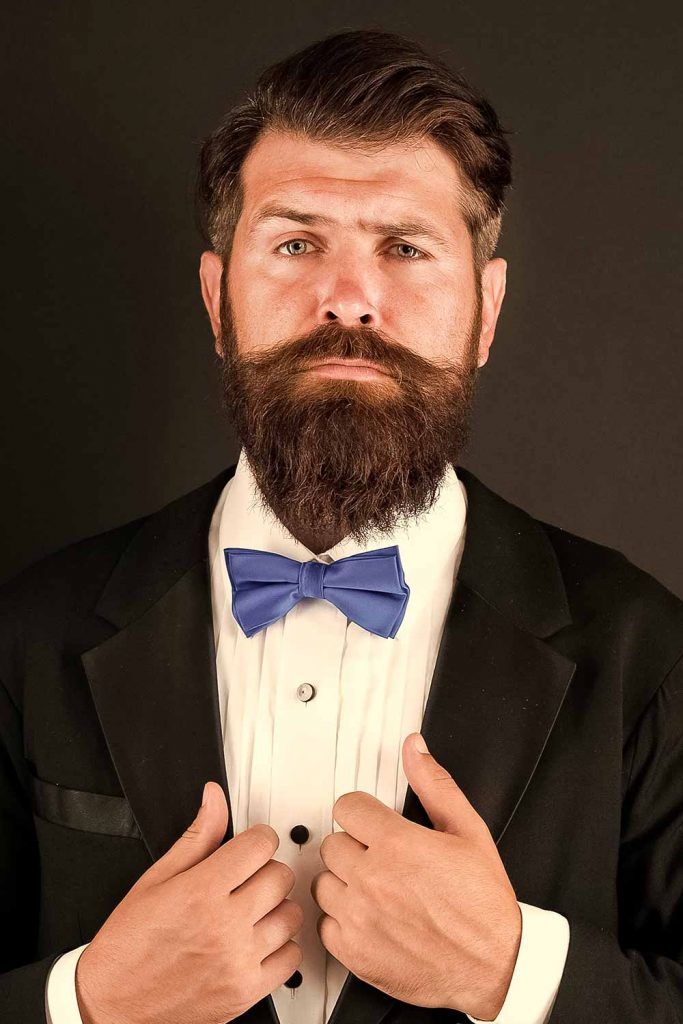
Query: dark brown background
[{"x": 110, "y": 401}]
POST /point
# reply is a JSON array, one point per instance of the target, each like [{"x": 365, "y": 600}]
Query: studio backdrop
[{"x": 110, "y": 389}]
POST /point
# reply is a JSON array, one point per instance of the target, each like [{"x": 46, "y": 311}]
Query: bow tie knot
[
  {"x": 369, "y": 588},
  {"x": 311, "y": 576}
]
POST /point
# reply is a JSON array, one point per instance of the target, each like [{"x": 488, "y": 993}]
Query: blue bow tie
[{"x": 369, "y": 588}]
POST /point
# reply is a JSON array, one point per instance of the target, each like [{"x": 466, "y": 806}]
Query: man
[{"x": 285, "y": 631}]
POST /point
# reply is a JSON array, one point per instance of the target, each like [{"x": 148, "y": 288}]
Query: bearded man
[{"x": 458, "y": 726}]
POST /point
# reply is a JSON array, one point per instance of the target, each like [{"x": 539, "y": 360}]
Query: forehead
[{"x": 400, "y": 178}]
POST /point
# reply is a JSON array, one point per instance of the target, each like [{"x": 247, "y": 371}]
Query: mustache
[{"x": 336, "y": 341}]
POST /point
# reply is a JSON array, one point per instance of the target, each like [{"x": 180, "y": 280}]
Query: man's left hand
[{"x": 428, "y": 916}]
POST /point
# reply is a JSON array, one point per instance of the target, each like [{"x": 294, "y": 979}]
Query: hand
[
  {"x": 203, "y": 934},
  {"x": 426, "y": 915}
]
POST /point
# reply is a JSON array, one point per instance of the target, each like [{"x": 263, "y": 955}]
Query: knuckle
[
  {"x": 192, "y": 833},
  {"x": 241, "y": 990},
  {"x": 295, "y": 912},
  {"x": 357, "y": 915},
  {"x": 252, "y": 846},
  {"x": 369, "y": 883},
  {"x": 283, "y": 874},
  {"x": 266, "y": 838},
  {"x": 485, "y": 830},
  {"x": 288, "y": 875},
  {"x": 239, "y": 952},
  {"x": 275, "y": 929},
  {"x": 297, "y": 947}
]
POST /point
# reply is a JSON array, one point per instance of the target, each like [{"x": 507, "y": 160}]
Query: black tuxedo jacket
[{"x": 556, "y": 704}]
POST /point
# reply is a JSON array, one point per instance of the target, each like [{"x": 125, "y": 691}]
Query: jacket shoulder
[
  {"x": 630, "y": 614},
  {"x": 68, "y": 573},
  {"x": 526, "y": 559},
  {"x": 619, "y": 619},
  {"x": 68, "y": 581},
  {"x": 592, "y": 569}
]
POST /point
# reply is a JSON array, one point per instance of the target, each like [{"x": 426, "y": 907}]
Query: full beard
[{"x": 343, "y": 457}]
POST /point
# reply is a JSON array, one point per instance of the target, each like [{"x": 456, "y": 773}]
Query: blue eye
[{"x": 304, "y": 241}]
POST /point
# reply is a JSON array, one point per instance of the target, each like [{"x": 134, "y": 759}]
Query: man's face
[{"x": 345, "y": 254}]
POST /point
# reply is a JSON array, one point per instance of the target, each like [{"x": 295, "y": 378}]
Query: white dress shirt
[{"x": 314, "y": 706}]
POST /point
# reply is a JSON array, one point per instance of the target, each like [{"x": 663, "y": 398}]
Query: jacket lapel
[
  {"x": 154, "y": 681},
  {"x": 496, "y": 691}
]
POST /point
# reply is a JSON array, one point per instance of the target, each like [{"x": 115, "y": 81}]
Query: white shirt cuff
[
  {"x": 61, "y": 1005},
  {"x": 538, "y": 969},
  {"x": 529, "y": 1000}
]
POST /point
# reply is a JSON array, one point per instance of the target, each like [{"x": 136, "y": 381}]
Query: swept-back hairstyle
[{"x": 363, "y": 88}]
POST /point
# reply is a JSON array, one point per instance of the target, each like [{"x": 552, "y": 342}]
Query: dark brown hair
[{"x": 365, "y": 88}]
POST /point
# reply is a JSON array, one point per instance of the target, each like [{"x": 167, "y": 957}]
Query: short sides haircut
[{"x": 364, "y": 88}]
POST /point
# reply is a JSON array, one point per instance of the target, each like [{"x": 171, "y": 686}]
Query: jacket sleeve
[
  {"x": 22, "y": 976},
  {"x": 637, "y": 976}
]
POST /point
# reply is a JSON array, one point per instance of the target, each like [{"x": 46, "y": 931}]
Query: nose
[
  {"x": 350, "y": 315},
  {"x": 348, "y": 302}
]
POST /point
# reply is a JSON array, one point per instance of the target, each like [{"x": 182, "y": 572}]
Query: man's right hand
[{"x": 203, "y": 934}]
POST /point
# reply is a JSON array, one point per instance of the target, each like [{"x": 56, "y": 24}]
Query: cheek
[
  {"x": 432, "y": 312},
  {"x": 267, "y": 306},
  {"x": 437, "y": 320},
  {"x": 276, "y": 285},
  {"x": 452, "y": 303}
]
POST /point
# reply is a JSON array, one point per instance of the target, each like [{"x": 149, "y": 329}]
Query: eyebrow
[{"x": 423, "y": 229}]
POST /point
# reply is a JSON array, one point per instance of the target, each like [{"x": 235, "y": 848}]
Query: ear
[
  {"x": 210, "y": 273},
  {"x": 493, "y": 290}
]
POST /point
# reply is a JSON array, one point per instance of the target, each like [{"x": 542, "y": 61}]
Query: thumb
[
  {"x": 200, "y": 839},
  {"x": 448, "y": 808}
]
